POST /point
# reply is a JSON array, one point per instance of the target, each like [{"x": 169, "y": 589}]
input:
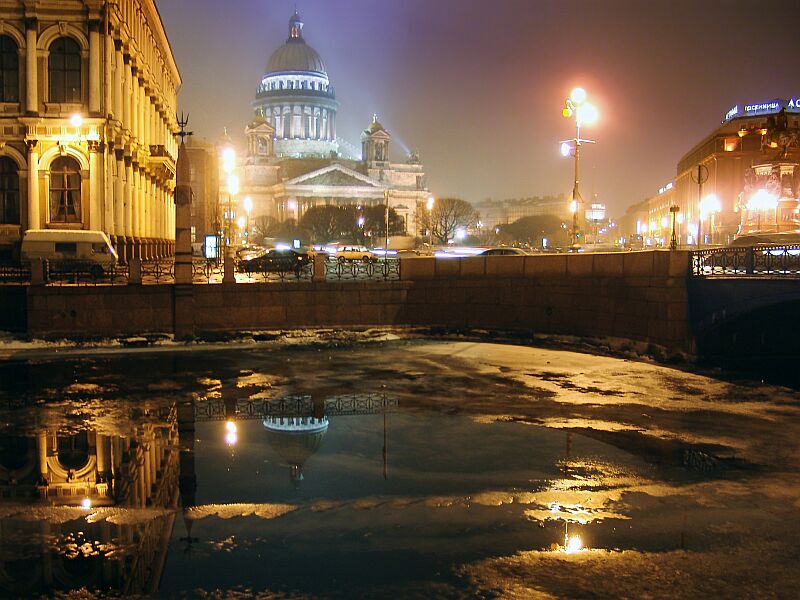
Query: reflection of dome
[
  {"x": 295, "y": 439},
  {"x": 295, "y": 55}
]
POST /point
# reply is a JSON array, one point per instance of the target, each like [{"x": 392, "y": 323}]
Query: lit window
[
  {"x": 64, "y": 70},
  {"x": 65, "y": 191},
  {"x": 9, "y": 192},
  {"x": 730, "y": 144},
  {"x": 9, "y": 70}
]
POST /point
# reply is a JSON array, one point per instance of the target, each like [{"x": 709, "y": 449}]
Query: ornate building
[
  {"x": 294, "y": 159},
  {"x": 88, "y": 90},
  {"x": 750, "y": 165}
]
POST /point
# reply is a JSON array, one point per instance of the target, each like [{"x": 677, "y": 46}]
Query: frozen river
[{"x": 407, "y": 468}]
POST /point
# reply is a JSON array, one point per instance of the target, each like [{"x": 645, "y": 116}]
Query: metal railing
[
  {"x": 382, "y": 269},
  {"x": 762, "y": 260}
]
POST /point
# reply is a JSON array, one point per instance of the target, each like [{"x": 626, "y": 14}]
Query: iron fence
[
  {"x": 15, "y": 273},
  {"x": 772, "y": 260},
  {"x": 382, "y": 269}
]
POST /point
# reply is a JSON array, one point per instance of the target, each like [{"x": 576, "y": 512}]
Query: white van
[{"x": 91, "y": 249}]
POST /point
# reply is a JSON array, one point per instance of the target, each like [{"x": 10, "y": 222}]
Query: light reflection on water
[{"x": 204, "y": 477}]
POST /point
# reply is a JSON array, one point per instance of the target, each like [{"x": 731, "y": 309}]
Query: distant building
[
  {"x": 294, "y": 159},
  {"x": 756, "y": 150},
  {"x": 87, "y": 118},
  {"x": 503, "y": 212},
  {"x": 206, "y": 218}
]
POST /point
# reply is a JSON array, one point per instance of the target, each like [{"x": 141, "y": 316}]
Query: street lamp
[
  {"x": 248, "y": 208},
  {"x": 709, "y": 206},
  {"x": 233, "y": 189},
  {"x": 228, "y": 166},
  {"x": 430, "y": 203},
  {"x": 760, "y": 202},
  {"x": 673, "y": 240},
  {"x": 585, "y": 114}
]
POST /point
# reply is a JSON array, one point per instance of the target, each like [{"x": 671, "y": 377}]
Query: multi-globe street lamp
[{"x": 584, "y": 113}]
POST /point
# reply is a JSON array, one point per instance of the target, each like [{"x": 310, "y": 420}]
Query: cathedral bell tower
[
  {"x": 260, "y": 135},
  {"x": 375, "y": 144}
]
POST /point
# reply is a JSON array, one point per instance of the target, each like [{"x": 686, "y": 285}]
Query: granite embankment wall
[{"x": 641, "y": 296}]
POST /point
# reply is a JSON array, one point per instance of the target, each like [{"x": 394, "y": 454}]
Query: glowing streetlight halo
[{"x": 578, "y": 95}]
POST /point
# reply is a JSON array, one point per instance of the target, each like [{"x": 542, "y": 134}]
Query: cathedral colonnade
[{"x": 87, "y": 123}]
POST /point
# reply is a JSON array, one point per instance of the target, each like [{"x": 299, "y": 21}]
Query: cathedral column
[
  {"x": 34, "y": 218},
  {"x": 117, "y": 81},
  {"x": 108, "y": 59},
  {"x": 31, "y": 72},
  {"x": 95, "y": 198},
  {"x": 126, "y": 93},
  {"x": 134, "y": 123},
  {"x": 119, "y": 201},
  {"x": 94, "y": 67}
]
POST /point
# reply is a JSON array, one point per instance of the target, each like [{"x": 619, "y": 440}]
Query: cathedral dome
[{"x": 295, "y": 55}]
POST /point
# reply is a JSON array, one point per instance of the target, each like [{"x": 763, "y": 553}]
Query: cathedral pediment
[{"x": 334, "y": 176}]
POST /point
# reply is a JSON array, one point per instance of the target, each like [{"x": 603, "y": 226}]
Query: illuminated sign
[
  {"x": 211, "y": 246},
  {"x": 769, "y": 107},
  {"x": 666, "y": 188}
]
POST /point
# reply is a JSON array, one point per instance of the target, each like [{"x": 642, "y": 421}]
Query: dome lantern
[{"x": 295, "y": 27}]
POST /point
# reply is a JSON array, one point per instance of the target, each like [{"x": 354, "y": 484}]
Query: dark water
[{"x": 297, "y": 473}]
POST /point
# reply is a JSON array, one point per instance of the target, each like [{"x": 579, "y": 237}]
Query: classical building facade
[
  {"x": 756, "y": 150},
  {"x": 294, "y": 159},
  {"x": 88, "y": 91}
]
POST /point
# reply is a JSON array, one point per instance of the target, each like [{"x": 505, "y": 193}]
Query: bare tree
[{"x": 448, "y": 215}]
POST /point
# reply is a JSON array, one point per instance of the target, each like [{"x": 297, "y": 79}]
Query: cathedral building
[
  {"x": 88, "y": 92},
  {"x": 294, "y": 158}
]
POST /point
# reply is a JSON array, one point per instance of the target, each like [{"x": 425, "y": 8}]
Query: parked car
[
  {"x": 504, "y": 251},
  {"x": 274, "y": 261},
  {"x": 70, "y": 250},
  {"x": 354, "y": 253}
]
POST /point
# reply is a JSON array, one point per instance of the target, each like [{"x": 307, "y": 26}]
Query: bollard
[
  {"x": 228, "y": 275},
  {"x": 38, "y": 271},
  {"x": 135, "y": 271},
  {"x": 319, "y": 266}
]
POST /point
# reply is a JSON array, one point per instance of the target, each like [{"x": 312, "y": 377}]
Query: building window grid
[
  {"x": 65, "y": 191},
  {"x": 64, "y": 71},
  {"x": 9, "y": 70},
  {"x": 9, "y": 192}
]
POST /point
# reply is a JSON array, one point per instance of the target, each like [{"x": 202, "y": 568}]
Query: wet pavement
[{"x": 410, "y": 468}]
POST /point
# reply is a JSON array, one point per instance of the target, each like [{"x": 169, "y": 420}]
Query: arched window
[
  {"x": 9, "y": 70},
  {"x": 65, "y": 190},
  {"x": 9, "y": 192},
  {"x": 64, "y": 70}
]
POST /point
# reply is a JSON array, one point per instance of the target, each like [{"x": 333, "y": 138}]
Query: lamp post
[
  {"x": 673, "y": 240},
  {"x": 386, "y": 246},
  {"x": 709, "y": 206},
  {"x": 585, "y": 114},
  {"x": 229, "y": 165},
  {"x": 430, "y": 203},
  {"x": 248, "y": 208}
]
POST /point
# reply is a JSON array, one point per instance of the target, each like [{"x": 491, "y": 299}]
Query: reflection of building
[
  {"x": 46, "y": 475},
  {"x": 295, "y": 439},
  {"x": 757, "y": 147},
  {"x": 88, "y": 101},
  {"x": 294, "y": 158}
]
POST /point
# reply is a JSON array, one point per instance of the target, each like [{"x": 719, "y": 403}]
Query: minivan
[{"x": 91, "y": 250}]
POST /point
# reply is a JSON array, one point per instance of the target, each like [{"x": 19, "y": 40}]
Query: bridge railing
[{"x": 761, "y": 260}]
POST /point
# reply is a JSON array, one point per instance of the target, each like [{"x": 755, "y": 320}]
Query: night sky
[{"x": 478, "y": 85}]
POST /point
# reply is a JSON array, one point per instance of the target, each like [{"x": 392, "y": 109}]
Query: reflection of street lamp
[
  {"x": 231, "y": 433},
  {"x": 431, "y": 201},
  {"x": 709, "y": 206},
  {"x": 584, "y": 113}
]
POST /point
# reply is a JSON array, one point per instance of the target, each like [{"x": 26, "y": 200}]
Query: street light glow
[
  {"x": 76, "y": 120},
  {"x": 430, "y": 202},
  {"x": 228, "y": 160},
  {"x": 587, "y": 114},
  {"x": 762, "y": 200},
  {"x": 578, "y": 95},
  {"x": 233, "y": 185},
  {"x": 248, "y": 204},
  {"x": 573, "y": 206},
  {"x": 710, "y": 204},
  {"x": 565, "y": 149}
]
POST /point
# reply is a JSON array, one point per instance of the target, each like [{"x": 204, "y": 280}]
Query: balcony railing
[{"x": 761, "y": 260}]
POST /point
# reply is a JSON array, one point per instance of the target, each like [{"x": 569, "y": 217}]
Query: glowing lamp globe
[
  {"x": 587, "y": 114},
  {"x": 565, "y": 149},
  {"x": 567, "y": 112},
  {"x": 578, "y": 95}
]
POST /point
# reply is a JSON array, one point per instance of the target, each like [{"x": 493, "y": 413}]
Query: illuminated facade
[
  {"x": 742, "y": 178},
  {"x": 294, "y": 159},
  {"x": 87, "y": 117}
]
